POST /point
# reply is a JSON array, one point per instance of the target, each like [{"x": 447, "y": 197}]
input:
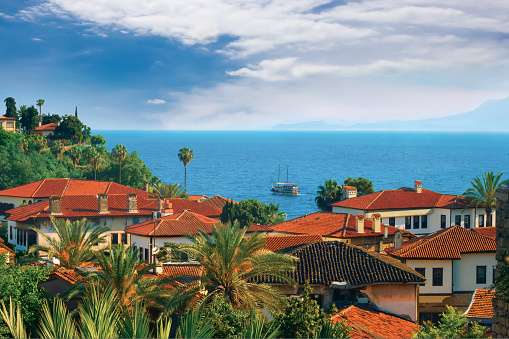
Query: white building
[{"x": 418, "y": 210}]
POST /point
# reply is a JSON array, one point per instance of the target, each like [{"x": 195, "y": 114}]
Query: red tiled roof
[
  {"x": 66, "y": 186},
  {"x": 448, "y": 243},
  {"x": 4, "y": 248},
  {"x": 277, "y": 242},
  {"x": 369, "y": 323},
  {"x": 401, "y": 199},
  {"x": 218, "y": 201},
  {"x": 68, "y": 275},
  {"x": 178, "y": 270},
  {"x": 179, "y": 224},
  {"x": 47, "y": 127},
  {"x": 481, "y": 305},
  {"x": 490, "y": 232},
  {"x": 83, "y": 206},
  {"x": 2, "y": 117},
  {"x": 337, "y": 225},
  {"x": 351, "y": 188},
  {"x": 180, "y": 204},
  {"x": 196, "y": 197}
]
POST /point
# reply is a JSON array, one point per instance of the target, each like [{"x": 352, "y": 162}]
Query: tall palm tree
[
  {"x": 74, "y": 242},
  {"x": 40, "y": 102},
  {"x": 185, "y": 155},
  {"x": 483, "y": 193},
  {"x": 233, "y": 266},
  {"x": 274, "y": 216},
  {"x": 75, "y": 153},
  {"x": 169, "y": 190},
  {"x": 94, "y": 159},
  {"x": 327, "y": 193},
  {"x": 57, "y": 149},
  {"x": 119, "y": 153}
]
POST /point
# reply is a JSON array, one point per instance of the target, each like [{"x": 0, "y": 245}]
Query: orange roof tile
[
  {"x": 3, "y": 117},
  {"x": 448, "y": 243},
  {"x": 180, "y": 204},
  {"x": 351, "y": 188},
  {"x": 218, "y": 201},
  {"x": 196, "y": 197},
  {"x": 277, "y": 242},
  {"x": 402, "y": 198},
  {"x": 68, "y": 275},
  {"x": 490, "y": 232},
  {"x": 4, "y": 248},
  {"x": 369, "y": 323},
  {"x": 337, "y": 225},
  {"x": 47, "y": 127},
  {"x": 481, "y": 305}
]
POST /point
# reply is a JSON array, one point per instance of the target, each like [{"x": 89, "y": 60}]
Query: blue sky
[{"x": 217, "y": 64}]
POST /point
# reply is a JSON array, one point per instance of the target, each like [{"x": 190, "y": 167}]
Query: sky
[{"x": 253, "y": 64}]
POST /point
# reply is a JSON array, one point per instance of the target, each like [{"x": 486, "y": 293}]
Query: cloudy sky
[{"x": 252, "y": 64}]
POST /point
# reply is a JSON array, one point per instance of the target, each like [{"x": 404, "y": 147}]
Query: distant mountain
[
  {"x": 492, "y": 115},
  {"x": 308, "y": 126}
]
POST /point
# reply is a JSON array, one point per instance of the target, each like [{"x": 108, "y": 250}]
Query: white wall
[
  {"x": 428, "y": 288},
  {"x": 465, "y": 271}
]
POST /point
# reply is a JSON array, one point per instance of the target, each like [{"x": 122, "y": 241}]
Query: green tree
[
  {"x": 94, "y": 158},
  {"x": 232, "y": 264},
  {"x": 274, "y": 216},
  {"x": 74, "y": 242},
  {"x": 169, "y": 191},
  {"x": 185, "y": 155},
  {"x": 251, "y": 211},
  {"x": 28, "y": 119},
  {"x": 50, "y": 118},
  {"x": 97, "y": 140},
  {"x": 119, "y": 153},
  {"x": 40, "y": 102},
  {"x": 483, "y": 193},
  {"x": 229, "y": 322},
  {"x": 75, "y": 153},
  {"x": 452, "y": 324},
  {"x": 363, "y": 185},
  {"x": 38, "y": 143},
  {"x": 72, "y": 128},
  {"x": 57, "y": 148},
  {"x": 10, "y": 105},
  {"x": 327, "y": 194}
]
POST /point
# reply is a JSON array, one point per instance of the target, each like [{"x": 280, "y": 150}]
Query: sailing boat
[{"x": 284, "y": 187}]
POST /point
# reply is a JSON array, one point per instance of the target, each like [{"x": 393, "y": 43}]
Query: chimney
[
  {"x": 55, "y": 205},
  {"x": 418, "y": 186},
  {"x": 376, "y": 223},
  {"x": 159, "y": 269},
  {"x": 145, "y": 185},
  {"x": 132, "y": 203},
  {"x": 40, "y": 123},
  {"x": 397, "y": 240},
  {"x": 381, "y": 246},
  {"x": 102, "y": 198},
  {"x": 348, "y": 192},
  {"x": 360, "y": 223},
  {"x": 159, "y": 204},
  {"x": 386, "y": 231},
  {"x": 166, "y": 210}
]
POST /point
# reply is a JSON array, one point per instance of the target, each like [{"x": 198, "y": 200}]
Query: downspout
[{"x": 452, "y": 276}]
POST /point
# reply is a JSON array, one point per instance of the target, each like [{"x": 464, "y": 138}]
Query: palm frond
[
  {"x": 195, "y": 325},
  {"x": 57, "y": 323},
  {"x": 135, "y": 322},
  {"x": 14, "y": 320},
  {"x": 99, "y": 314}
]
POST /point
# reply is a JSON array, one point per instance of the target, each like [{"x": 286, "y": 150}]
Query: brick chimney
[
  {"x": 55, "y": 205},
  {"x": 132, "y": 203},
  {"x": 359, "y": 227},
  {"x": 159, "y": 204},
  {"x": 397, "y": 240},
  {"x": 166, "y": 208},
  {"x": 386, "y": 231},
  {"x": 145, "y": 185},
  {"x": 348, "y": 192},
  {"x": 418, "y": 186},
  {"x": 102, "y": 199},
  {"x": 376, "y": 223}
]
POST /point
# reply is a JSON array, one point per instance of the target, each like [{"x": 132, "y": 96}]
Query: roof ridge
[
  {"x": 38, "y": 187},
  {"x": 345, "y": 225},
  {"x": 372, "y": 201},
  {"x": 66, "y": 186}
]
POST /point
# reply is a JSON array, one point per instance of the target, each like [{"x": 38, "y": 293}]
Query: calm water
[{"x": 243, "y": 165}]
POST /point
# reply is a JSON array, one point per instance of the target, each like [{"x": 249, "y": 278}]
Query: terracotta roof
[
  {"x": 4, "y": 248},
  {"x": 182, "y": 273},
  {"x": 490, "y": 232},
  {"x": 481, "y": 305},
  {"x": 3, "y": 117},
  {"x": 337, "y": 225},
  {"x": 47, "y": 127},
  {"x": 68, "y": 275},
  {"x": 179, "y": 224},
  {"x": 448, "y": 243},
  {"x": 66, "y": 186},
  {"x": 277, "y": 242},
  {"x": 196, "y": 197},
  {"x": 369, "y": 323},
  {"x": 218, "y": 201},
  {"x": 180, "y": 204},
  {"x": 322, "y": 263},
  {"x": 350, "y": 188},
  {"x": 83, "y": 206},
  {"x": 402, "y": 198}
]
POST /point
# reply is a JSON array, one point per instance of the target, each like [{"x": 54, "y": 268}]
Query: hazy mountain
[{"x": 492, "y": 115}]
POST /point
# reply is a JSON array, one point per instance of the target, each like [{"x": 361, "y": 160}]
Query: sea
[{"x": 244, "y": 164}]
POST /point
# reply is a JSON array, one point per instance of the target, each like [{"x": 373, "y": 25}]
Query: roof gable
[
  {"x": 481, "y": 305},
  {"x": 47, "y": 127},
  {"x": 278, "y": 242},
  {"x": 218, "y": 201}
]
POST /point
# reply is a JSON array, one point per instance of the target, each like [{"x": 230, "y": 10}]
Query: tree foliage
[
  {"x": 252, "y": 211},
  {"x": 185, "y": 155},
  {"x": 28, "y": 119},
  {"x": 327, "y": 193},
  {"x": 363, "y": 185},
  {"x": 10, "y": 108},
  {"x": 71, "y": 128},
  {"x": 169, "y": 191},
  {"x": 50, "y": 118}
]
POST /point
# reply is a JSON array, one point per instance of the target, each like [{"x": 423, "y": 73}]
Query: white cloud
[
  {"x": 36, "y": 39},
  {"x": 156, "y": 101}
]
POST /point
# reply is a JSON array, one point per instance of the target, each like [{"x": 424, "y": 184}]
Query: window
[
  {"x": 481, "y": 220},
  {"x": 416, "y": 221},
  {"x": 141, "y": 253},
  {"x": 466, "y": 221},
  {"x": 136, "y": 220},
  {"x": 147, "y": 256},
  {"x": 494, "y": 274},
  {"x": 114, "y": 238},
  {"x": 424, "y": 221},
  {"x": 392, "y": 221},
  {"x": 408, "y": 223},
  {"x": 457, "y": 220},
  {"x": 9, "y": 124},
  {"x": 480, "y": 276},
  {"x": 11, "y": 233},
  {"x": 443, "y": 221},
  {"x": 438, "y": 276},
  {"x": 124, "y": 238},
  {"x": 421, "y": 271}
]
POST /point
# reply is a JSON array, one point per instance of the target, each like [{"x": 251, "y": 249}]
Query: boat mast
[
  {"x": 286, "y": 173},
  {"x": 279, "y": 173}
]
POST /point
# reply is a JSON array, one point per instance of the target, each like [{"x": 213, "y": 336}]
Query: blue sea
[{"x": 244, "y": 164}]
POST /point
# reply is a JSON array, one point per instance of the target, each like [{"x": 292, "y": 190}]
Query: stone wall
[{"x": 501, "y": 308}]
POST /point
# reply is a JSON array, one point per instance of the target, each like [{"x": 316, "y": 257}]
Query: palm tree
[
  {"x": 39, "y": 143},
  {"x": 75, "y": 153},
  {"x": 57, "y": 149},
  {"x": 169, "y": 191},
  {"x": 185, "y": 155},
  {"x": 327, "y": 193},
  {"x": 119, "y": 153},
  {"x": 94, "y": 158},
  {"x": 74, "y": 243},
  {"x": 483, "y": 193},
  {"x": 234, "y": 265},
  {"x": 40, "y": 102},
  {"x": 274, "y": 216}
]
